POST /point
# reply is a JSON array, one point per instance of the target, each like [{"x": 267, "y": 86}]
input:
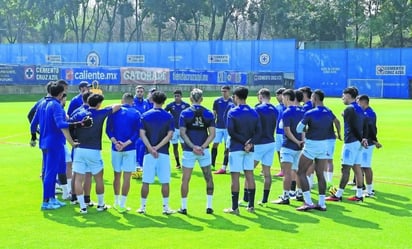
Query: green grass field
[{"x": 382, "y": 222}]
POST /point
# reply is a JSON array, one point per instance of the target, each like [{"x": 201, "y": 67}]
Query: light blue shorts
[
  {"x": 367, "y": 156},
  {"x": 330, "y": 148},
  {"x": 68, "y": 154},
  {"x": 352, "y": 153},
  {"x": 278, "y": 141},
  {"x": 290, "y": 156},
  {"x": 189, "y": 159},
  {"x": 176, "y": 138},
  {"x": 315, "y": 149},
  {"x": 240, "y": 161},
  {"x": 264, "y": 153},
  {"x": 87, "y": 160},
  {"x": 159, "y": 167},
  {"x": 124, "y": 161},
  {"x": 221, "y": 136}
]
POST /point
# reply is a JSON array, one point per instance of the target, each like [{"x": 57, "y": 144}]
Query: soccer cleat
[
  {"x": 355, "y": 198},
  {"x": 101, "y": 208},
  {"x": 178, "y": 167},
  {"x": 320, "y": 208},
  {"x": 182, "y": 211},
  {"x": 122, "y": 209},
  {"x": 220, "y": 172},
  {"x": 306, "y": 207},
  {"x": 333, "y": 198},
  {"x": 83, "y": 210},
  {"x": 370, "y": 195},
  {"x": 250, "y": 209},
  {"x": 280, "y": 174},
  {"x": 57, "y": 202},
  {"x": 168, "y": 211},
  {"x": 90, "y": 204},
  {"x": 141, "y": 211},
  {"x": 231, "y": 211},
  {"x": 209, "y": 210},
  {"x": 292, "y": 194},
  {"x": 281, "y": 200},
  {"x": 262, "y": 204},
  {"x": 49, "y": 206},
  {"x": 299, "y": 197}
]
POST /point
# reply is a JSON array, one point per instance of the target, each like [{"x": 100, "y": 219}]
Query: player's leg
[
  {"x": 216, "y": 141},
  {"x": 147, "y": 178},
  {"x": 117, "y": 174},
  {"x": 127, "y": 167},
  {"x": 98, "y": 178},
  {"x": 236, "y": 162},
  {"x": 320, "y": 165},
  {"x": 207, "y": 174},
  {"x": 184, "y": 188},
  {"x": 162, "y": 167}
]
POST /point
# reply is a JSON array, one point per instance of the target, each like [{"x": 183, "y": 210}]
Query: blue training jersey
[
  {"x": 91, "y": 138},
  {"x": 243, "y": 124},
  {"x": 175, "y": 109},
  {"x": 268, "y": 117},
  {"x": 196, "y": 119},
  {"x": 372, "y": 129},
  {"x": 281, "y": 108},
  {"x": 50, "y": 118},
  {"x": 307, "y": 106},
  {"x": 319, "y": 122},
  {"x": 219, "y": 107},
  {"x": 354, "y": 123},
  {"x": 124, "y": 125},
  {"x": 142, "y": 105},
  {"x": 157, "y": 123},
  {"x": 75, "y": 103},
  {"x": 290, "y": 118}
]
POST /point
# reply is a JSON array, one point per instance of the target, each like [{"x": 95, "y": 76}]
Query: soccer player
[
  {"x": 142, "y": 105},
  {"x": 366, "y": 164},
  {"x": 244, "y": 128},
  {"x": 175, "y": 108},
  {"x": 265, "y": 145},
  {"x": 51, "y": 120},
  {"x": 77, "y": 100},
  {"x": 292, "y": 142},
  {"x": 279, "y": 129},
  {"x": 197, "y": 128},
  {"x": 87, "y": 156},
  {"x": 219, "y": 107},
  {"x": 307, "y": 93},
  {"x": 122, "y": 128},
  {"x": 319, "y": 124},
  {"x": 355, "y": 133},
  {"x": 156, "y": 131}
]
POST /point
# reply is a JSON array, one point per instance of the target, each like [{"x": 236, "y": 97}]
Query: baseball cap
[{"x": 84, "y": 84}]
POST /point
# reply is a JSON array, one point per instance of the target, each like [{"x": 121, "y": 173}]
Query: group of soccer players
[{"x": 140, "y": 131}]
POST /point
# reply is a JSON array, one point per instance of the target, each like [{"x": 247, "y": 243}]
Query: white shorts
[
  {"x": 352, "y": 153},
  {"x": 87, "y": 160},
  {"x": 176, "y": 138},
  {"x": 159, "y": 167},
  {"x": 278, "y": 141},
  {"x": 264, "y": 153},
  {"x": 315, "y": 149},
  {"x": 124, "y": 161},
  {"x": 189, "y": 159},
  {"x": 290, "y": 156},
  {"x": 367, "y": 157},
  {"x": 330, "y": 148},
  {"x": 68, "y": 154},
  {"x": 240, "y": 161},
  {"x": 221, "y": 136}
]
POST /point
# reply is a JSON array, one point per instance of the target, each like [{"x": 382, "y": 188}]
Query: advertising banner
[
  {"x": 141, "y": 75},
  {"x": 268, "y": 78},
  {"x": 105, "y": 76}
]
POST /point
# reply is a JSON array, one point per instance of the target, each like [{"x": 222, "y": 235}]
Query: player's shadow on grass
[
  {"x": 221, "y": 222},
  {"x": 294, "y": 216},
  {"x": 336, "y": 212},
  {"x": 390, "y": 203},
  {"x": 169, "y": 221}
]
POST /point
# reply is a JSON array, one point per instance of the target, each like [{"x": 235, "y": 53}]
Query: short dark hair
[
  {"x": 264, "y": 92},
  {"x": 94, "y": 99},
  {"x": 128, "y": 98},
  {"x": 85, "y": 96},
  {"x": 178, "y": 91},
  {"x": 196, "y": 94},
  {"x": 48, "y": 86},
  {"x": 306, "y": 91},
  {"x": 352, "y": 91},
  {"x": 62, "y": 82},
  {"x": 280, "y": 90},
  {"x": 159, "y": 97},
  {"x": 226, "y": 87},
  {"x": 290, "y": 93},
  {"x": 241, "y": 92},
  {"x": 364, "y": 97},
  {"x": 56, "y": 89},
  {"x": 298, "y": 95},
  {"x": 320, "y": 94}
]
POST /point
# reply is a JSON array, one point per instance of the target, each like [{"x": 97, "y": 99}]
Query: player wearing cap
[
  {"x": 197, "y": 127},
  {"x": 175, "y": 108}
]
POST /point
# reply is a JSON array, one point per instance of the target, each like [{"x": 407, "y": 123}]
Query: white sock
[
  {"x": 321, "y": 201},
  {"x": 69, "y": 185},
  {"x": 80, "y": 199},
  {"x": 184, "y": 203},
  {"x": 143, "y": 203},
  {"x": 100, "y": 200},
  {"x": 224, "y": 167},
  {"x": 326, "y": 176},
  {"x": 65, "y": 191},
  {"x": 298, "y": 191},
  {"x": 123, "y": 201},
  {"x": 116, "y": 199},
  {"x": 330, "y": 176},
  {"x": 309, "y": 181},
  {"x": 165, "y": 203},
  {"x": 307, "y": 198},
  {"x": 369, "y": 188},
  {"x": 285, "y": 194},
  {"x": 339, "y": 193},
  {"x": 359, "y": 192},
  {"x": 209, "y": 201}
]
